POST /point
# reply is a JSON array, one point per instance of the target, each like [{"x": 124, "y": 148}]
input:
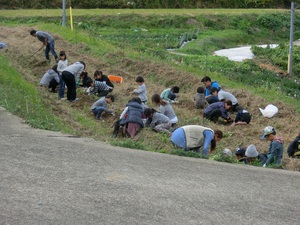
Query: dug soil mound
[{"x": 158, "y": 76}]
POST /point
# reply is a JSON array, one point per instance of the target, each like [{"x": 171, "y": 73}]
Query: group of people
[
  {"x": 136, "y": 114},
  {"x": 217, "y": 103}
]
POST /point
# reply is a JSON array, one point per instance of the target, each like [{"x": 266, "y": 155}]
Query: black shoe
[{"x": 115, "y": 135}]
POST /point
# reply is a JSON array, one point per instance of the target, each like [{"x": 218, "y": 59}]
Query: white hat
[
  {"x": 227, "y": 152},
  {"x": 268, "y": 130},
  {"x": 251, "y": 151}
]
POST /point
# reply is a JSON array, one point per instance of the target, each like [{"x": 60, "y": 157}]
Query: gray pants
[{"x": 163, "y": 127}]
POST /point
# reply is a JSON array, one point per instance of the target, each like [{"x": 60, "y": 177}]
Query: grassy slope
[
  {"x": 158, "y": 75},
  {"x": 95, "y": 12}
]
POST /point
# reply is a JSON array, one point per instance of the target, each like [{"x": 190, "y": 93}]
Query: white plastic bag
[{"x": 269, "y": 111}]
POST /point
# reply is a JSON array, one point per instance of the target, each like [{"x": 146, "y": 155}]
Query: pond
[{"x": 241, "y": 53}]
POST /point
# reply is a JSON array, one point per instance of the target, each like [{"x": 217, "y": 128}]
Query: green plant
[{"x": 128, "y": 143}]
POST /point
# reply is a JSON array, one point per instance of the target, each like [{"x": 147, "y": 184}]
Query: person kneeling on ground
[
  {"x": 50, "y": 79},
  {"x": 275, "y": 150},
  {"x": 100, "y": 88},
  {"x": 130, "y": 119},
  {"x": 165, "y": 108},
  {"x": 199, "y": 98},
  {"x": 243, "y": 117},
  {"x": 240, "y": 154},
  {"x": 192, "y": 137},
  {"x": 158, "y": 121},
  {"x": 169, "y": 94},
  {"x": 294, "y": 148},
  {"x": 100, "y": 106},
  {"x": 218, "y": 109}
]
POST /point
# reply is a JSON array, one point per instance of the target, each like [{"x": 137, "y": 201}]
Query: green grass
[
  {"x": 21, "y": 98},
  {"x": 96, "y": 12},
  {"x": 99, "y": 41}
]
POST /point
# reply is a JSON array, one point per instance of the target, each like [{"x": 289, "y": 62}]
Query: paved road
[{"x": 51, "y": 178}]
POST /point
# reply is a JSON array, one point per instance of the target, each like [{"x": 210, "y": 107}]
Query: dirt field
[{"x": 21, "y": 46}]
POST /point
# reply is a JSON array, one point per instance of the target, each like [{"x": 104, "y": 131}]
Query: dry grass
[{"x": 157, "y": 77}]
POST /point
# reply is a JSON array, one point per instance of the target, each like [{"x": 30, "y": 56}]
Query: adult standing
[
  {"x": 69, "y": 75},
  {"x": 47, "y": 41},
  {"x": 192, "y": 137}
]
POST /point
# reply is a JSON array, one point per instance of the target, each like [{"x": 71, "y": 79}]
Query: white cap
[{"x": 227, "y": 152}]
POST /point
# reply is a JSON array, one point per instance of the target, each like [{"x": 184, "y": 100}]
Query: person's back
[
  {"x": 49, "y": 76},
  {"x": 199, "y": 98},
  {"x": 159, "y": 118},
  {"x": 134, "y": 114},
  {"x": 213, "y": 106},
  {"x": 222, "y": 95},
  {"x": 167, "y": 110},
  {"x": 275, "y": 151},
  {"x": 294, "y": 148},
  {"x": 41, "y": 35},
  {"x": 100, "y": 102}
]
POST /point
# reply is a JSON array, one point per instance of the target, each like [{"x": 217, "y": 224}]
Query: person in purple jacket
[{"x": 218, "y": 109}]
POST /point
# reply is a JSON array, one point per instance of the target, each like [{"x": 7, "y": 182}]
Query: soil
[{"x": 158, "y": 76}]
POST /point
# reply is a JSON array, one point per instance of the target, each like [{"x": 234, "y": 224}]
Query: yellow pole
[{"x": 71, "y": 18}]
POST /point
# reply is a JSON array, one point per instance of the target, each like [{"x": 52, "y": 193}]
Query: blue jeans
[
  {"x": 62, "y": 84},
  {"x": 98, "y": 111},
  {"x": 50, "y": 48},
  {"x": 172, "y": 96}
]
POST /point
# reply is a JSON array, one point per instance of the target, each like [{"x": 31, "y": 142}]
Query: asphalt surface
[{"x": 52, "y": 178}]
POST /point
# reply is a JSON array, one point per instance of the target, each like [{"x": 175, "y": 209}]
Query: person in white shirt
[{"x": 61, "y": 65}]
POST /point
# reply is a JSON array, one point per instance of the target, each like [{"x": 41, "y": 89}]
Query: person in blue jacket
[
  {"x": 210, "y": 98},
  {"x": 193, "y": 137},
  {"x": 275, "y": 151}
]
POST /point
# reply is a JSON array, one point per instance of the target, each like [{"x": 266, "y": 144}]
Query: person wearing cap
[
  {"x": 275, "y": 150},
  {"x": 208, "y": 85},
  {"x": 218, "y": 109},
  {"x": 192, "y": 137},
  {"x": 251, "y": 154},
  {"x": 240, "y": 154},
  {"x": 227, "y": 152},
  {"x": 294, "y": 148}
]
